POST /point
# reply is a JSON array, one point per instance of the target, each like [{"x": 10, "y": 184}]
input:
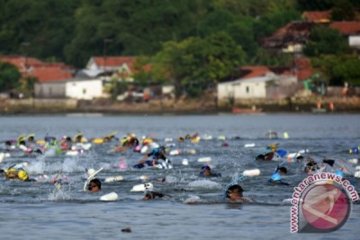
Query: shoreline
[{"x": 179, "y": 107}]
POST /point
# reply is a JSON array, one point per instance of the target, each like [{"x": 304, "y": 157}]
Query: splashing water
[
  {"x": 36, "y": 167},
  {"x": 58, "y": 194},
  {"x": 204, "y": 184},
  {"x": 72, "y": 165}
]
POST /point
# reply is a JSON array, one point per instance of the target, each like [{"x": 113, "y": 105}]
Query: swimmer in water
[
  {"x": 207, "y": 172},
  {"x": 311, "y": 166},
  {"x": 19, "y": 174},
  {"x": 94, "y": 185},
  {"x": 158, "y": 159},
  {"x": 276, "y": 178},
  {"x": 234, "y": 194},
  {"x": 150, "y": 195}
]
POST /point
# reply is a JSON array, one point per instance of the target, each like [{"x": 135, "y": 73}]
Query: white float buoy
[
  {"x": 174, "y": 152},
  {"x": 142, "y": 187},
  {"x": 185, "y": 162},
  {"x": 251, "y": 172},
  {"x": 204, "y": 159},
  {"x": 249, "y": 145},
  {"x": 113, "y": 196},
  {"x": 353, "y": 161},
  {"x": 221, "y": 138},
  {"x": 286, "y": 135}
]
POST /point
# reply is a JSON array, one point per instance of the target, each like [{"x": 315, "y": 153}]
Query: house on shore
[
  {"x": 85, "y": 88},
  {"x": 120, "y": 67},
  {"x": 257, "y": 82},
  {"x": 291, "y": 38},
  {"x": 318, "y": 17},
  {"x": 50, "y": 77},
  {"x": 349, "y": 29}
]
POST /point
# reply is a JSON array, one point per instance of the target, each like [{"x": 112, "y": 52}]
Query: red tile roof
[
  {"x": 296, "y": 32},
  {"x": 33, "y": 67},
  {"x": 110, "y": 61},
  {"x": 347, "y": 27},
  {"x": 317, "y": 16},
  {"x": 50, "y": 73},
  {"x": 21, "y": 61},
  {"x": 254, "y": 71},
  {"x": 118, "y": 61},
  {"x": 304, "y": 68}
]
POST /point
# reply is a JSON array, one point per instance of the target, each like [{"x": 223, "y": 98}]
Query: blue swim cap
[
  {"x": 276, "y": 177},
  {"x": 281, "y": 152}
]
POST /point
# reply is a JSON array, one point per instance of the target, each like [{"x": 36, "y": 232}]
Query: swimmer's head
[
  {"x": 149, "y": 195},
  {"x": 206, "y": 170},
  {"x": 22, "y": 175},
  {"x": 94, "y": 185},
  {"x": 282, "y": 170},
  {"x": 234, "y": 192}
]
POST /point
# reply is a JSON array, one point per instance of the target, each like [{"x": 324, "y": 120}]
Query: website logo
[{"x": 321, "y": 203}]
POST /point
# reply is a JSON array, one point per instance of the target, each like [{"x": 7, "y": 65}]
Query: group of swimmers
[{"x": 156, "y": 157}]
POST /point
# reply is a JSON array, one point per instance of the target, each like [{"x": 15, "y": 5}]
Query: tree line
[{"x": 192, "y": 43}]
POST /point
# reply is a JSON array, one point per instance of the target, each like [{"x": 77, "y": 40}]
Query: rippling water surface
[{"x": 37, "y": 210}]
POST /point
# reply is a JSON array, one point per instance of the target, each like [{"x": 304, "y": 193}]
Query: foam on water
[
  {"x": 72, "y": 165},
  {"x": 204, "y": 184},
  {"x": 58, "y": 195},
  {"x": 36, "y": 167},
  {"x": 192, "y": 199}
]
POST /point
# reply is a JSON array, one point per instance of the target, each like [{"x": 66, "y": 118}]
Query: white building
[
  {"x": 120, "y": 67},
  {"x": 354, "y": 41},
  {"x": 269, "y": 86},
  {"x": 245, "y": 88},
  {"x": 54, "y": 89},
  {"x": 86, "y": 89}
]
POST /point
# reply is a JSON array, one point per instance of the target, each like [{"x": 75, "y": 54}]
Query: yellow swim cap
[
  {"x": 147, "y": 141},
  {"x": 11, "y": 173},
  {"x": 22, "y": 175},
  {"x": 124, "y": 141}
]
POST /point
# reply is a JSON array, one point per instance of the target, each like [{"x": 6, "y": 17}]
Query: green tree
[
  {"x": 46, "y": 25},
  {"x": 215, "y": 21},
  {"x": 197, "y": 64},
  {"x": 272, "y": 58},
  {"x": 343, "y": 10},
  {"x": 143, "y": 72},
  {"x": 313, "y": 5},
  {"x": 347, "y": 71},
  {"x": 136, "y": 27},
  {"x": 9, "y": 77},
  {"x": 26, "y": 86},
  {"x": 268, "y": 23},
  {"x": 242, "y": 33},
  {"x": 339, "y": 69},
  {"x": 324, "y": 40}
]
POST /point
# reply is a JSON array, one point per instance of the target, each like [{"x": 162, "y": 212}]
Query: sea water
[{"x": 39, "y": 210}]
